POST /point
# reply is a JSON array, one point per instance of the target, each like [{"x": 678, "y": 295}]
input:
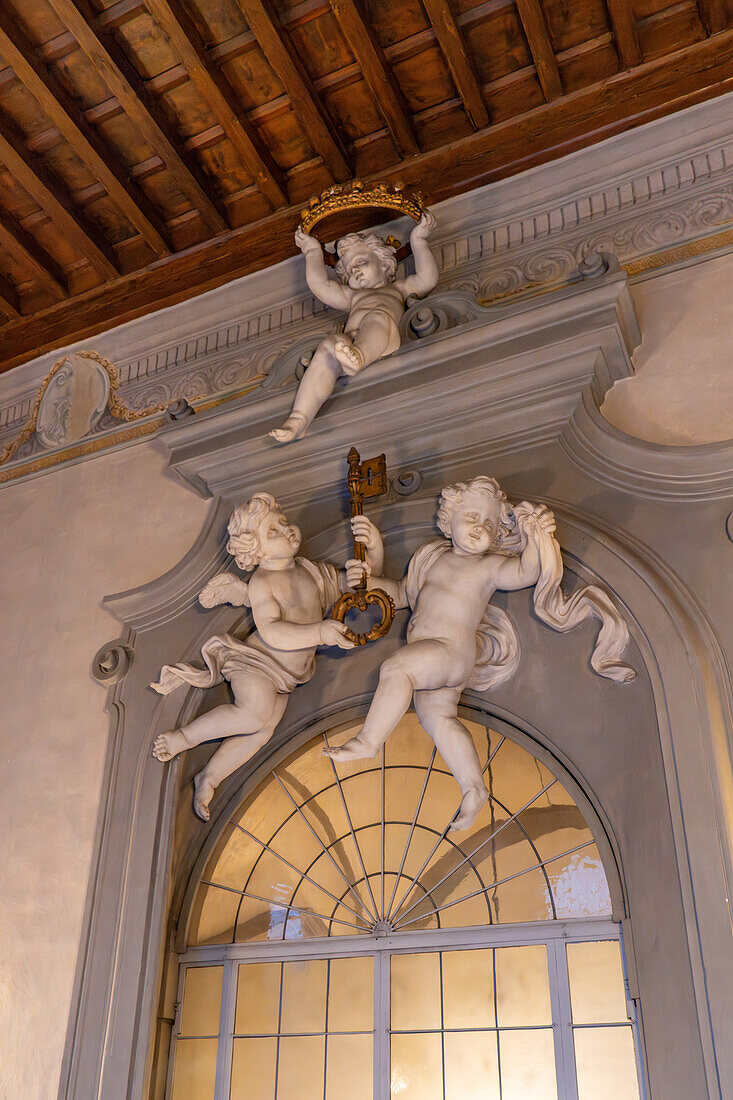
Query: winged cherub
[
  {"x": 289, "y": 597},
  {"x": 456, "y": 638},
  {"x": 375, "y": 301}
]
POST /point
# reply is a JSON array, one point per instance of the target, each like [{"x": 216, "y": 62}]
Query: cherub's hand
[
  {"x": 355, "y": 570},
  {"x": 332, "y": 633},
  {"x": 424, "y": 227},
  {"x": 305, "y": 242},
  {"x": 536, "y": 517},
  {"x": 364, "y": 531}
]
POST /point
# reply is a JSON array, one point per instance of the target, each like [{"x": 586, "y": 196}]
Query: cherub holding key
[
  {"x": 456, "y": 638},
  {"x": 290, "y": 597},
  {"x": 375, "y": 301}
]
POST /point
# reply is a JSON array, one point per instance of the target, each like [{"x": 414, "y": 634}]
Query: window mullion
[
  {"x": 174, "y": 1032},
  {"x": 382, "y": 1052},
  {"x": 226, "y": 1031},
  {"x": 562, "y": 1020}
]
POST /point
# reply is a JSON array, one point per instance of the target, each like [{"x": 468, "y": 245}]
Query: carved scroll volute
[{"x": 365, "y": 479}]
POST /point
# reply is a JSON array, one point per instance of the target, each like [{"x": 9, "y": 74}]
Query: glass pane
[
  {"x": 579, "y": 884},
  {"x": 415, "y": 981},
  {"x": 349, "y": 1062},
  {"x": 300, "y": 1069},
  {"x": 235, "y": 860},
  {"x": 258, "y": 999},
  {"x": 468, "y": 989},
  {"x": 259, "y": 920},
  {"x": 597, "y": 983},
  {"x": 604, "y": 1057},
  {"x": 522, "y": 986},
  {"x": 351, "y": 995},
  {"x": 195, "y": 1069},
  {"x": 214, "y": 914},
  {"x": 201, "y": 1000},
  {"x": 525, "y": 898},
  {"x": 472, "y": 1066},
  {"x": 304, "y": 996},
  {"x": 528, "y": 1065},
  {"x": 253, "y": 1069},
  {"x": 516, "y": 777},
  {"x": 417, "y": 1072}
]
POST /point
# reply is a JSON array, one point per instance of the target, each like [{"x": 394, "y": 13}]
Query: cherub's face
[
  {"x": 279, "y": 540},
  {"x": 474, "y": 523},
  {"x": 364, "y": 270}
]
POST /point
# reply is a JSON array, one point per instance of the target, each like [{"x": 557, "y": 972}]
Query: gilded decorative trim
[
  {"x": 93, "y": 446},
  {"x": 115, "y": 405}
]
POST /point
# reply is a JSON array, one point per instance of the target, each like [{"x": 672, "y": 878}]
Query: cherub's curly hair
[
  {"x": 507, "y": 534},
  {"x": 242, "y": 527},
  {"x": 384, "y": 252}
]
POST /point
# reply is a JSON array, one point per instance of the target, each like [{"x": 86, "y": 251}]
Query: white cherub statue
[
  {"x": 289, "y": 597},
  {"x": 456, "y": 638},
  {"x": 375, "y": 301}
]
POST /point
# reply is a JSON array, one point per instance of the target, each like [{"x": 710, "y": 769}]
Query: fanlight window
[{"x": 345, "y": 942}]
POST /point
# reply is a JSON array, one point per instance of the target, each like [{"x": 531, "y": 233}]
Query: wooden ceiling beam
[
  {"x": 377, "y": 75},
  {"x": 83, "y": 139},
  {"x": 623, "y": 23},
  {"x": 713, "y": 15},
  {"x": 174, "y": 20},
  {"x": 298, "y": 87},
  {"x": 128, "y": 87},
  {"x": 533, "y": 22},
  {"x": 33, "y": 177},
  {"x": 454, "y": 51},
  {"x": 25, "y": 245}
]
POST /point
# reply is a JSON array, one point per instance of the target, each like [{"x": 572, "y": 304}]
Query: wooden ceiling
[{"x": 151, "y": 149}]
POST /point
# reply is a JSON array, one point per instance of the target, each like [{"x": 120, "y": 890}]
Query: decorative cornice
[{"x": 657, "y": 196}]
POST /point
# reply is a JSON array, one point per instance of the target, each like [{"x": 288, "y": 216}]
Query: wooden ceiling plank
[
  {"x": 533, "y": 22},
  {"x": 713, "y": 15},
  {"x": 377, "y": 75},
  {"x": 129, "y": 89},
  {"x": 623, "y": 23},
  {"x": 44, "y": 267},
  {"x": 172, "y": 17},
  {"x": 83, "y": 138},
  {"x": 33, "y": 177},
  {"x": 298, "y": 87},
  {"x": 454, "y": 51},
  {"x": 9, "y": 298}
]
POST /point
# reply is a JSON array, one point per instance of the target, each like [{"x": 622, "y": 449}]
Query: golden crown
[{"x": 380, "y": 197}]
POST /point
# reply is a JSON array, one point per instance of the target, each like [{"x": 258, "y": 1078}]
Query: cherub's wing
[{"x": 225, "y": 588}]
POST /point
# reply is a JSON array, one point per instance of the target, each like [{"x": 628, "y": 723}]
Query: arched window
[{"x": 343, "y": 942}]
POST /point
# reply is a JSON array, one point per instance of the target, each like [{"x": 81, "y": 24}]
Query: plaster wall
[
  {"x": 68, "y": 539},
  {"x": 682, "y": 392}
]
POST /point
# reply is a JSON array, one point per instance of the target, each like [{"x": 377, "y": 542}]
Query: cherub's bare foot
[
  {"x": 293, "y": 428},
  {"x": 351, "y": 750},
  {"x": 349, "y": 356},
  {"x": 471, "y": 803},
  {"x": 203, "y": 793},
  {"x": 168, "y": 745}
]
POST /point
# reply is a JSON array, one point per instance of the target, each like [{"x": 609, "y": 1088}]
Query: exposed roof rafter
[
  {"x": 454, "y": 51},
  {"x": 130, "y": 91},
  {"x": 173, "y": 18},
  {"x": 538, "y": 39},
  {"x": 45, "y": 268},
  {"x": 298, "y": 87},
  {"x": 623, "y": 23},
  {"x": 84, "y": 140},
  {"x": 33, "y": 177},
  {"x": 377, "y": 75}
]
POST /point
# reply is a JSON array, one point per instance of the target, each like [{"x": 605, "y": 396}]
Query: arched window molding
[{"x": 377, "y": 937}]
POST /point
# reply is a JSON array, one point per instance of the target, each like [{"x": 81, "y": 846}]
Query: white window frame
[{"x": 553, "y": 934}]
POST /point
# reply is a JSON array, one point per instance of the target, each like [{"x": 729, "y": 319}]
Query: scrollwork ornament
[{"x": 112, "y": 662}]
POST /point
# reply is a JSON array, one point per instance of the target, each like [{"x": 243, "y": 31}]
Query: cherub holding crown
[
  {"x": 456, "y": 638},
  {"x": 375, "y": 301},
  {"x": 289, "y": 597}
]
